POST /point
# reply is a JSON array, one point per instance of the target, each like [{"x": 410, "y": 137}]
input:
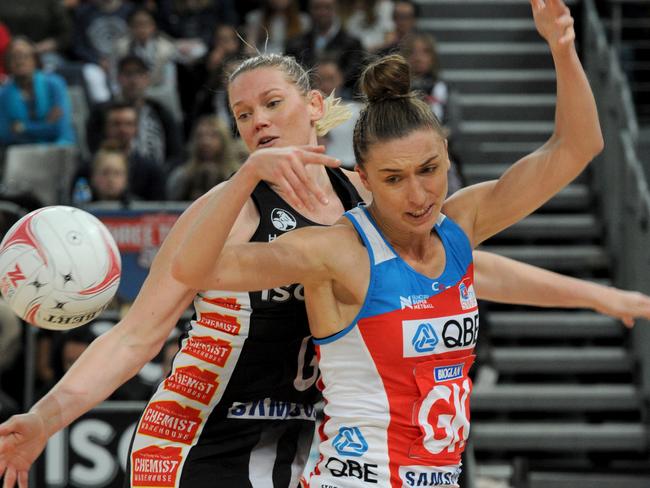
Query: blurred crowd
[{"x": 137, "y": 89}]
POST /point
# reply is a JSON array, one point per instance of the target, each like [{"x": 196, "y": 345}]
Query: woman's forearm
[{"x": 108, "y": 362}]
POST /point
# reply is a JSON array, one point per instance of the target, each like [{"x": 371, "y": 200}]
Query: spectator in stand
[
  {"x": 192, "y": 25},
  {"x": 269, "y": 27},
  {"x": 213, "y": 158},
  {"x": 5, "y": 39},
  {"x": 158, "y": 52},
  {"x": 405, "y": 13},
  {"x": 34, "y": 105},
  {"x": 421, "y": 52},
  {"x": 158, "y": 137},
  {"x": 45, "y": 22},
  {"x": 209, "y": 93},
  {"x": 98, "y": 24},
  {"x": 146, "y": 178},
  {"x": 370, "y": 20},
  {"x": 328, "y": 37},
  {"x": 191, "y": 22},
  {"x": 109, "y": 176}
]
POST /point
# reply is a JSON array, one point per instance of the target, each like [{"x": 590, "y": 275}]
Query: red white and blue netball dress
[{"x": 395, "y": 381}]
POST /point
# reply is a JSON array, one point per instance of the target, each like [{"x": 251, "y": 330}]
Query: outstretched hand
[
  {"x": 22, "y": 439},
  {"x": 285, "y": 168},
  {"x": 554, "y": 22},
  {"x": 625, "y": 305}
]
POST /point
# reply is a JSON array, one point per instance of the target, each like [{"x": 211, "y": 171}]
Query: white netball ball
[{"x": 59, "y": 267}]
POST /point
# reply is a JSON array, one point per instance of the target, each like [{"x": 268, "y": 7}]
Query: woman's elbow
[
  {"x": 180, "y": 271},
  {"x": 596, "y": 145}
]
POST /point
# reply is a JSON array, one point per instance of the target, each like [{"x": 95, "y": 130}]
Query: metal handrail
[{"x": 621, "y": 181}]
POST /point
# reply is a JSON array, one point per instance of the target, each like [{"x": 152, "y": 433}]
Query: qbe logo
[
  {"x": 283, "y": 220},
  {"x": 425, "y": 338},
  {"x": 350, "y": 442},
  {"x": 436, "y": 335}
]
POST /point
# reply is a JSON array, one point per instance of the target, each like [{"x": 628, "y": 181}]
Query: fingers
[
  {"x": 285, "y": 168},
  {"x": 23, "y": 479},
  {"x": 311, "y": 148},
  {"x": 537, "y": 5},
  {"x": 566, "y": 23},
  {"x": 10, "y": 478},
  {"x": 289, "y": 194},
  {"x": 310, "y": 185},
  {"x": 299, "y": 189},
  {"x": 314, "y": 155}
]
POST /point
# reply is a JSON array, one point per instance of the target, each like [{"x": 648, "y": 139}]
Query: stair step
[
  {"x": 575, "y": 196},
  {"x": 554, "y": 226},
  {"x": 554, "y": 360},
  {"x": 567, "y": 325},
  {"x": 485, "y": 151},
  {"x": 495, "y": 471},
  {"x": 500, "y": 81},
  {"x": 495, "y": 55},
  {"x": 558, "y": 258},
  {"x": 560, "y": 437},
  {"x": 506, "y": 107},
  {"x": 545, "y": 479},
  {"x": 556, "y": 398},
  {"x": 521, "y": 131},
  {"x": 480, "y": 29}
]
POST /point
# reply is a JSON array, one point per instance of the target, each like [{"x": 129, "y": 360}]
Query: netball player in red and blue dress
[{"x": 390, "y": 288}]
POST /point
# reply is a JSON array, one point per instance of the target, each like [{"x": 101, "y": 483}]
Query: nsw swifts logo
[
  {"x": 283, "y": 220},
  {"x": 467, "y": 295}
]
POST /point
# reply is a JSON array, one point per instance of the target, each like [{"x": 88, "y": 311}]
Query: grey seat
[{"x": 45, "y": 170}]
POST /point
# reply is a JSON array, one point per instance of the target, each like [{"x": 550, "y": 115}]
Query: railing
[
  {"x": 620, "y": 181},
  {"x": 627, "y": 23}
]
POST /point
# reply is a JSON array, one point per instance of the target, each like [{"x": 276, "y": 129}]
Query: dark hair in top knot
[
  {"x": 392, "y": 110},
  {"x": 387, "y": 78}
]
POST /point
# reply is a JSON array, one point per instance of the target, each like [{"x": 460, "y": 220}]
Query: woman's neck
[{"x": 407, "y": 243}]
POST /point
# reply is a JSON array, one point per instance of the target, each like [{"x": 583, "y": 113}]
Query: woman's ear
[
  {"x": 316, "y": 105},
  {"x": 363, "y": 176}
]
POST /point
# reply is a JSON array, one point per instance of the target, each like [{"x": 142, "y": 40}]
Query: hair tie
[
  {"x": 335, "y": 113},
  {"x": 390, "y": 96}
]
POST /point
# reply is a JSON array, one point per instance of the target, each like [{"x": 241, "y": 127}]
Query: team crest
[
  {"x": 467, "y": 295},
  {"x": 283, "y": 220}
]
